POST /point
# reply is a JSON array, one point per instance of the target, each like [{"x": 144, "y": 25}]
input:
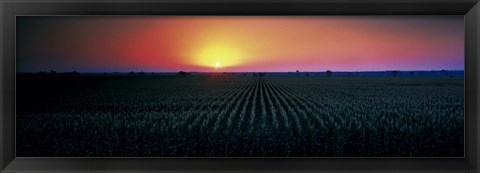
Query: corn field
[{"x": 239, "y": 116}]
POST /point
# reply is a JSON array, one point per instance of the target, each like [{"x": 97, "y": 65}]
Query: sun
[{"x": 217, "y": 55}]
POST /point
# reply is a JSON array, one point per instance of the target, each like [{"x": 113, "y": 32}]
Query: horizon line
[{"x": 47, "y": 71}]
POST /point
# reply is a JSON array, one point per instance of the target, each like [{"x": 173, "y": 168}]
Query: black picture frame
[{"x": 11, "y": 8}]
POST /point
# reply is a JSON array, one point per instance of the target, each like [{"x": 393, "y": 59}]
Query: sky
[{"x": 238, "y": 43}]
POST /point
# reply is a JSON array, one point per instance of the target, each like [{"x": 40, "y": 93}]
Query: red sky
[{"x": 239, "y": 43}]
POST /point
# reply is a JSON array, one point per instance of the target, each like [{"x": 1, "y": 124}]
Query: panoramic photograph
[{"x": 240, "y": 86}]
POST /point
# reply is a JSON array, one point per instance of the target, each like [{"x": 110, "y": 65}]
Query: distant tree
[
  {"x": 412, "y": 74},
  {"x": 445, "y": 73},
  {"x": 395, "y": 73},
  {"x": 182, "y": 73},
  {"x": 131, "y": 73},
  {"x": 105, "y": 74},
  {"x": 307, "y": 74},
  {"x": 298, "y": 71},
  {"x": 254, "y": 74},
  {"x": 141, "y": 73},
  {"x": 261, "y": 74},
  {"x": 420, "y": 73},
  {"x": 73, "y": 73},
  {"x": 53, "y": 72},
  {"x": 153, "y": 73},
  {"x": 329, "y": 73}
]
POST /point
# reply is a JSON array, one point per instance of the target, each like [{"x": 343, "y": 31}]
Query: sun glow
[{"x": 218, "y": 55}]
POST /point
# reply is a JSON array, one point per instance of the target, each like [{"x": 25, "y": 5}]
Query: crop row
[{"x": 202, "y": 116}]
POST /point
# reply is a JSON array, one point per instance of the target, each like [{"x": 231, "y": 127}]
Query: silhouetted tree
[
  {"x": 329, "y": 73},
  {"x": 298, "y": 71},
  {"x": 53, "y": 72},
  {"x": 131, "y": 73},
  {"x": 182, "y": 73},
  {"x": 446, "y": 73},
  {"x": 395, "y": 73},
  {"x": 73, "y": 73},
  {"x": 141, "y": 73}
]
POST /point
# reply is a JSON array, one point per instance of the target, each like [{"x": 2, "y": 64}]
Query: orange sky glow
[{"x": 240, "y": 43}]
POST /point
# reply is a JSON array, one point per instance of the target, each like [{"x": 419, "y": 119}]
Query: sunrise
[
  {"x": 240, "y": 43},
  {"x": 240, "y": 86}
]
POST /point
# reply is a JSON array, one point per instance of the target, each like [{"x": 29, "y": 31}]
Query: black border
[{"x": 10, "y": 8}]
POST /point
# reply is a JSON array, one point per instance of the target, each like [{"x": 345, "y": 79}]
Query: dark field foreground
[{"x": 240, "y": 116}]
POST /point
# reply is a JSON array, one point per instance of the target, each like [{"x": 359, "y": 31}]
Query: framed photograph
[{"x": 186, "y": 86}]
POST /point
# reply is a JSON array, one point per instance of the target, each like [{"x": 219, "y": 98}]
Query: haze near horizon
[{"x": 239, "y": 43}]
